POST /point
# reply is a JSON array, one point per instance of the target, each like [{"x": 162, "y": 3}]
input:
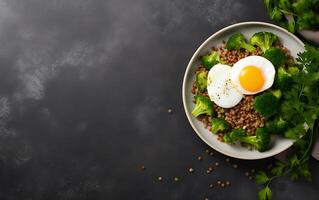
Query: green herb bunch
[
  {"x": 300, "y": 108},
  {"x": 294, "y": 15}
]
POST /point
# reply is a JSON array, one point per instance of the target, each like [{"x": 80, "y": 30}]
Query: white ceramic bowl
[{"x": 248, "y": 29}]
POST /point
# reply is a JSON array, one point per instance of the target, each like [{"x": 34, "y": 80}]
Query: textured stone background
[{"x": 84, "y": 92}]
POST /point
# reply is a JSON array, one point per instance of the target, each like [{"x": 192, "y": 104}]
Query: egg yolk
[{"x": 251, "y": 78}]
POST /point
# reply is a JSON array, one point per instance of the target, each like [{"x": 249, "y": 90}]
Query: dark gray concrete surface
[{"x": 84, "y": 90}]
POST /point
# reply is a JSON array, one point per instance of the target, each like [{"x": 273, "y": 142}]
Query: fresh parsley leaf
[
  {"x": 278, "y": 169},
  {"x": 276, "y": 14},
  {"x": 261, "y": 177},
  {"x": 293, "y": 15},
  {"x": 285, "y": 4},
  {"x": 265, "y": 194},
  {"x": 295, "y": 132},
  {"x": 293, "y": 161},
  {"x": 304, "y": 169},
  {"x": 301, "y": 5},
  {"x": 269, "y": 4},
  {"x": 309, "y": 59},
  {"x": 310, "y": 118},
  {"x": 287, "y": 111},
  {"x": 301, "y": 143},
  {"x": 293, "y": 175},
  {"x": 307, "y": 20}
]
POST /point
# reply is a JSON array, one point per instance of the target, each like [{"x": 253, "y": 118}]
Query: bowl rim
[{"x": 195, "y": 56}]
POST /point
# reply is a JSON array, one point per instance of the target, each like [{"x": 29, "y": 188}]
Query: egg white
[
  {"x": 267, "y": 68},
  {"x": 219, "y": 87}
]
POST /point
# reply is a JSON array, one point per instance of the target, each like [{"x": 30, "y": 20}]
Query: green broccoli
[
  {"x": 219, "y": 124},
  {"x": 276, "y": 126},
  {"x": 238, "y": 41},
  {"x": 284, "y": 79},
  {"x": 267, "y": 103},
  {"x": 234, "y": 135},
  {"x": 264, "y": 40},
  {"x": 203, "y": 106},
  {"x": 201, "y": 80},
  {"x": 276, "y": 93},
  {"x": 260, "y": 141},
  {"x": 276, "y": 56},
  {"x": 210, "y": 60}
]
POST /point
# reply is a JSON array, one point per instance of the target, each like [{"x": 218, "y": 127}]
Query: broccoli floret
[
  {"x": 267, "y": 103},
  {"x": 203, "y": 106},
  {"x": 276, "y": 126},
  {"x": 264, "y": 40},
  {"x": 210, "y": 60},
  {"x": 234, "y": 135},
  {"x": 281, "y": 125},
  {"x": 201, "y": 80},
  {"x": 276, "y": 56},
  {"x": 276, "y": 93},
  {"x": 219, "y": 124},
  {"x": 238, "y": 41},
  {"x": 283, "y": 79},
  {"x": 260, "y": 141}
]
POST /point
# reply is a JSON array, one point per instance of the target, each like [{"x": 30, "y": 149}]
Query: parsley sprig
[
  {"x": 294, "y": 15},
  {"x": 299, "y": 107}
]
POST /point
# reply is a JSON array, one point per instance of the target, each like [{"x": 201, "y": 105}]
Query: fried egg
[
  {"x": 252, "y": 75},
  {"x": 219, "y": 87}
]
